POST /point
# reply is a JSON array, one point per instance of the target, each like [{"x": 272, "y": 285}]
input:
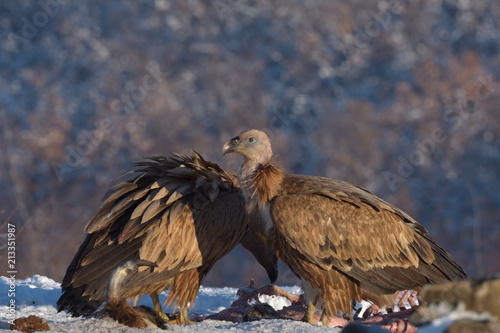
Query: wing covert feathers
[
  {"x": 337, "y": 235},
  {"x": 181, "y": 212},
  {"x": 334, "y": 224}
]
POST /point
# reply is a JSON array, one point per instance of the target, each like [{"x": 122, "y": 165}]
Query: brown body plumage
[
  {"x": 182, "y": 213},
  {"x": 342, "y": 240}
]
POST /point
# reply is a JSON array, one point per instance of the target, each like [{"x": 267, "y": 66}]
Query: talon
[
  {"x": 173, "y": 319},
  {"x": 163, "y": 316},
  {"x": 403, "y": 299},
  {"x": 179, "y": 318},
  {"x": 413, "y": 299}
]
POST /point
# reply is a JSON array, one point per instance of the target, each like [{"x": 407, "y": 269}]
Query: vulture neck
[{"x": 260, "y": 181}]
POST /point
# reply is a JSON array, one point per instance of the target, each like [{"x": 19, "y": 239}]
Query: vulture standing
[
  {"x": 181, "y": 213},
  {"x": 118, "y": 308},
  {"x": 341, "y": 240}
]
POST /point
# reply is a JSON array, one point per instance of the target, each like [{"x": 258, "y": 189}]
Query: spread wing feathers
[
  {"x": 161, "y": 182},
  {"x": 180, "y": 212},
  {"x": 358, "y": 233}
]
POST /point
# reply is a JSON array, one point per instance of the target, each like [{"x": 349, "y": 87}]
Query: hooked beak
[
  {"x": 231, "y": 146},
  {"x": 141, "y": 262},
  {"x": 120, "y": 274}
]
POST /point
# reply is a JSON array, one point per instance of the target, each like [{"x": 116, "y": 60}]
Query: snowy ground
[{"x": 38, "y": 296}]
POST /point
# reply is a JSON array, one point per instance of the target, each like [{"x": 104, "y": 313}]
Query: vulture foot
[
  {"x": 309, "y": 315},
  {"x": 401, "y": 299},
  {"x": 180, "y": 318},
  {"x": 409, "y": 297},
  {"x": 158, "y": 308},
  {"x": 333, "y": 321},
  {"x": 163, "y": 316},
  {"x": 324, "y": 319}
]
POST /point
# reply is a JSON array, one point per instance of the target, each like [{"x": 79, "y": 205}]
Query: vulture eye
[{"x": 251, "y": 140}]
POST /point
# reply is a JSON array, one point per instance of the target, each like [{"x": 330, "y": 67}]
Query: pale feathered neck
[{"x": 260, "y": 182}]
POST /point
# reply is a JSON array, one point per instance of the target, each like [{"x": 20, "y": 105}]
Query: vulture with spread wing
[
  {"x": 341, "y": 240},
  {"x": 181, "y": 213}
]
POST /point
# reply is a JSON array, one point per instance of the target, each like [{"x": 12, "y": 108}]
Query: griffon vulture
[
  {"x": 342, "y": 240},
  {"x": 118, "y": 308},
  {"x": 181, "y": 213}
]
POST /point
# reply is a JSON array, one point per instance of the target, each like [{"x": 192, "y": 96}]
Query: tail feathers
[{"x": 77, "y": 305}]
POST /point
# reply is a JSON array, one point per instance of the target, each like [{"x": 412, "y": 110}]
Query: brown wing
[
  {"x": 179, "y": 212},
  {"x": 333, "y": 223},
  {"x": 185, "y": 286},
  {"x": 218, "y": 227}
]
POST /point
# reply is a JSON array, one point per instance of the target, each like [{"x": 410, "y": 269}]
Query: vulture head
[
  {"x": 119, "y": 277},
  {"x": 253, "y": 144}
]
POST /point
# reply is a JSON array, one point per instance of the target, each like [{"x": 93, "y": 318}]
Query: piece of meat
[{"x": 248, "y": 308}]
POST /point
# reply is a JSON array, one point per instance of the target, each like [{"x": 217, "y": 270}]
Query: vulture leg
[
  {"x": 337, "y": 322},
  {"x": 184, "y": 317},
  {"x": 311, "y": 296},
  {"x": 325, "y": 320},
  {"x": 180, "y": 318},
  {"x": 309, "y": 315},
  {"x": 158, "y": 308},
  {"x": 404, "y": 295}
]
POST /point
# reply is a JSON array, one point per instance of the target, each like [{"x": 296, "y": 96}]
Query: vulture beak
[
  {"x": 231, "y": 146},
  {"x": 120, "y": 274},
  {"x": 141, "y": 262}
]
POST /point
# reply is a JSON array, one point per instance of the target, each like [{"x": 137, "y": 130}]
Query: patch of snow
[
  {"x": 293, "y": 289},
  {"x": 38, "y": 281},
  {"x": 277, "y": 302},
  {"x": 364, "y": 305},
  {"x": 212, "y": 300},
  {"x": 38, "y": 296}
]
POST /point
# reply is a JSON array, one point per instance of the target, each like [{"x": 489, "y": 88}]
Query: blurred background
[{"x": 399, "y": 97}]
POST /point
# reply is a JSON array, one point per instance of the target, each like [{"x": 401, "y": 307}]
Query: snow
[
  {"x": 277, "y": 302},
  {"x": 365, "y": 305},
  {"x": 38, "y": 296}
]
